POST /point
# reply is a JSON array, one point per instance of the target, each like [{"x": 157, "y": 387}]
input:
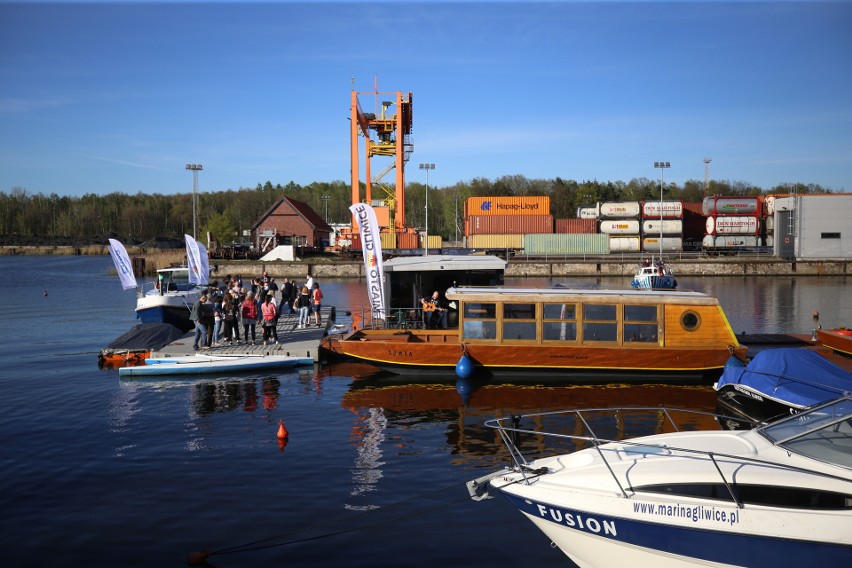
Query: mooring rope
[{"x": 201, "y": 556}]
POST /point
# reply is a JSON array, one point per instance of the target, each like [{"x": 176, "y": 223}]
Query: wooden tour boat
[
  {"x": 839, "y": 340},
  {"x": 631, "y": 334}
]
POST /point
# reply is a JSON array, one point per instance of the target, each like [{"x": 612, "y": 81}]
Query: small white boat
[
  {"x": 169, "y": 299},
  {"x": 654, "y": 275},
  {"x": 776, "y": 495},
  {"x": 209, "y": 364}
]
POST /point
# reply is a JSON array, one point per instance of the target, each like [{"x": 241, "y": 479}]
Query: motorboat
[
  {"x": 779, "y": 494},
  {"x": 631, "y": 335},
  {"x": 209, "y": 364},
  {"x": 134, "y": 346},
  {"x": 654, "y": 274},
  {"x": 839, "y": 339},
  {"x": 781, "y": 381},
  {"x": 169, "y": 298}
]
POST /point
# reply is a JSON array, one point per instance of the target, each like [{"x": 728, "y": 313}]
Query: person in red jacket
[
  {"x": 248, "y": 311},
  {"x": 270, "y": 317},
  {"x": 316, "y": 301}
]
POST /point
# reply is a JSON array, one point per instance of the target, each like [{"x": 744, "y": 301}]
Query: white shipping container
[
  {"x": 669, "y": 226},
  {"x": 724, "y": 205},
  {"x": 620, "y": 227},
  {"x": 624, "y": 244},
  {"x": 732, "y": 225},
  {"x": 670, "y": 244},
  {"x": 770, "y": 240},
  {"x": 619, "y": 209},
  {"x": 671, "y": 209},
  {"x": 730, "y": 241},
  {"x": 770, "y": 224}
]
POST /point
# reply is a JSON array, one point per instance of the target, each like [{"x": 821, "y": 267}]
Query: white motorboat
[
  {"x": 169, "y": 299},
  {"x": 654, "y": 275},
  {"x": 776, "y": 495}
]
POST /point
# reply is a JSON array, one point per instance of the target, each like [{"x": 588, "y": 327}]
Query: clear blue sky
[{"x": 119, "y": 97}]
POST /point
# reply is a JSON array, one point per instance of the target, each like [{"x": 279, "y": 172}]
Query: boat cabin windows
[
  {"x": 766, "y": 495},
  {"x": 480, "y": 320},
  {"x": 600, "y": 322},
  {"x": 519, "y": 321},
  {"x": 560, "y": 322},
  {"x": 640, "y": 323},
  {"x": 690, "y": 321}
]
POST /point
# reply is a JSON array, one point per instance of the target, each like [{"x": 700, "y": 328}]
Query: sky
[{"x": 118, "y": 97}]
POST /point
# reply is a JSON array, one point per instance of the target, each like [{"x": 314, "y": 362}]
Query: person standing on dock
[
  {"x": 249, "y": 313},
  {"x": 316, "y": 298},
  {"x": 270, "y": 319},
  {"x": 303, "y": 304},
  {"x": 287, "y": 297},
  {"x": 196, "y": 316}
]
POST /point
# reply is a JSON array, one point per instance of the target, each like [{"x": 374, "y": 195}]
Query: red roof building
[{"x": 290, "y": 222}]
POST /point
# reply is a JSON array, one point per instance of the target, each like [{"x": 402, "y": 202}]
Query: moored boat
[
  {"x": 779, "y": 382},
  {"x": 210, "y": 364},
  {"x": 634, "y": 335},
  {"x": 169, "y": 299},
  {"x": 779, "y": 494},
  {"x": 839, "y": 340},
  {"x": 134, "y": 346}
]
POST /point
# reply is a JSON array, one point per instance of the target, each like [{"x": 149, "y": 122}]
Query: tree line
[{"x": 134, "y": 219}]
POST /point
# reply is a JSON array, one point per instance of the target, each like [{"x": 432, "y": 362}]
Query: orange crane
[{"x": 388, "y": 135}]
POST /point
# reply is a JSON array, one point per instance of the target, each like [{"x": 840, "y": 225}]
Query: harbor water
[{"x": 101, "y": 471}]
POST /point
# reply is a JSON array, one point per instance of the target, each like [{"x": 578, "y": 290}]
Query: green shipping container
[{"x": 565, "y": 243}]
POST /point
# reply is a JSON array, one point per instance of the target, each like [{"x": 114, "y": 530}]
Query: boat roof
[
  {"x": 559, "y": 294},
  {"x": 444, "y": 262}
]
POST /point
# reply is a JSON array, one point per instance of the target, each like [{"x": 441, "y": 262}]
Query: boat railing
[
  {"x": 400, "y": 318},
  {"x": 510, "y": 430}
]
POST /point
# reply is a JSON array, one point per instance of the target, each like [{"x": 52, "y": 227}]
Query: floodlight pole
[
  {"x": 662, "y": 166},
  {"x": 194, "y": 168},
  {"x": 427, "y": 167}
]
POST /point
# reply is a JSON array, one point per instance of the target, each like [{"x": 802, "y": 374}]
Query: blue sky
[{"x": 119, "y": 97}]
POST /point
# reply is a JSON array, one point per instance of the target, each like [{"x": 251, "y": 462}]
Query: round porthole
[{"x": 690, "y": 321}]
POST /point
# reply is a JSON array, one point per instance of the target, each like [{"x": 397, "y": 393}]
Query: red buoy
[{"x": 282, "y": 430}]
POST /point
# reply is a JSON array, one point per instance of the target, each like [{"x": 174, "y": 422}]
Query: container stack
[
  {"x": 620, "y": 221},
  {"x": 769, "y": 219},
  {"x": 732, "y": 222},
  {"x": 694, "y": 224},
  {"x": 500, "y": 223},
  {"x": 662, "y": 226}
]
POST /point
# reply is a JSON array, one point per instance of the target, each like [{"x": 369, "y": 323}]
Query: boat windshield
[{"x": 823, "y": 433}]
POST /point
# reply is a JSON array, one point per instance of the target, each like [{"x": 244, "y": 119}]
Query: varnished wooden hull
[
  {"x": 837, "y": 340},
  {"x": 439, "y": 351}
]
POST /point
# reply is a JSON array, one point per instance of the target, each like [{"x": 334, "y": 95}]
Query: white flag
[
  {"x": 371, "y": 246},
  {"x": 193, "y": 261},
  {"x": 204, "y": 263},
  {"x": 122, "y": 264}
]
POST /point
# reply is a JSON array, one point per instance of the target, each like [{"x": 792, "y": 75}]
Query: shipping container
[
  {"x": 670, "y": 244},
  {"x": 507, "y": 205},
  {"x": 576, "y": 226},
  {"x": 619, "y": 210},
  {"x": 587, "y": 212},
  {"x": 624, "y": 244},
  {"x": 495, "y": 242},
  {"x": 620, "y": 227},
  {"x": 382, "y": 216},
  {"x": 407, "y": 240},
  {"x": 770, "y": 240},
  {"x": 388, "y": 240},
  {"x": 720, "y": 205},
  {"x": 694, "y": 207},
  {"x": 507, "y": 224},
  {"x": 669, "y": 226},
  {"x": 566, "y": 243},
  {"x": 769, "y": 205},
  {"x": 770, "y": 224},
  {"x": 435, "y": 241},
  {"x": 732, "y": 225},
  {"x": 730, "y": 241},
  {"x": 671, "y": 209}
]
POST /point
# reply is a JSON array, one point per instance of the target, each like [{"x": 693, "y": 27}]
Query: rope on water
[{"x": 200, "y": 557}]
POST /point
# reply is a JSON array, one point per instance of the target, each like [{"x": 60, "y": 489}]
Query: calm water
[{"x": 99, "y": 471}]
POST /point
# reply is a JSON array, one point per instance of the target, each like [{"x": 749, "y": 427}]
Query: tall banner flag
[
  {"x": 193, "y": 261},
  {"x": 371, "y": 246},
  {"x": 204, "y": 263},
  {"x": 122, "y": 264}
]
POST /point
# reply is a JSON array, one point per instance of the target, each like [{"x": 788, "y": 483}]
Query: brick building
[{"x": 290, "y": 222}]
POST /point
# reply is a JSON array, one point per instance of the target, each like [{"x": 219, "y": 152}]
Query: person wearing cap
[{"x": 197, "y": 317}]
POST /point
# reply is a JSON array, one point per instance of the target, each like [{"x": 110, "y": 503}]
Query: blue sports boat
[{"x": 780, "y": 382}]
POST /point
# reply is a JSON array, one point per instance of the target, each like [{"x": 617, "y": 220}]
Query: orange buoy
[
  {"x": 282, "y": 430},
  {"x": 198, "y": 558}
]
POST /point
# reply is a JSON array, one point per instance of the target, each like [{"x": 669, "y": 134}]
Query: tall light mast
[{"x": 706, "y": 175}]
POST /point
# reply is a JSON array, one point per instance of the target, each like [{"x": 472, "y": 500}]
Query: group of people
[{"x": 223, "y": 309}]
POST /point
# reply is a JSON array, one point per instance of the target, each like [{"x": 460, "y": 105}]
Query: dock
[{"x": 292, "y": 342}]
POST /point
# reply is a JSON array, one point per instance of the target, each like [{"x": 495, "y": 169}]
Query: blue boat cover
[{"x": 794, "y": 376}]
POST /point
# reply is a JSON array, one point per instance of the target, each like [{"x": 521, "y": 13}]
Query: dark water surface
[{"x": 98, "y": 471}]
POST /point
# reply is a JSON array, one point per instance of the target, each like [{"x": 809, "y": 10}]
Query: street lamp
[
  {"x": 427, "y": 167},
  {"x": 195, "y": 168},
  {"x": 662, "y": 166},
  {"x": 326, "y": 198}
]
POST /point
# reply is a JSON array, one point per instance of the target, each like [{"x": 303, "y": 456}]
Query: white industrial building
[{"x": 810, "y": 227}]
